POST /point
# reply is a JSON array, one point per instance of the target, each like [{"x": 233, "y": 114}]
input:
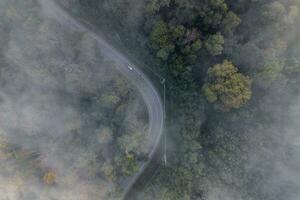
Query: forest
[
  {"x": 232, "y": 71},
  {"x": 62, "y": 137}
]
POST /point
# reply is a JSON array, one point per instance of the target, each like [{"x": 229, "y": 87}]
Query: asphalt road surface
[{"x": 127, "y": 68}]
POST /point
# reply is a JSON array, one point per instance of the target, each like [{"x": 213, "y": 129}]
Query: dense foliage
[
  {"x": 68, "y": 117},
  {"x": 217, "y": 55},
  {"x": 232, "y": 69},
  {"x": 226, "y": 87}
]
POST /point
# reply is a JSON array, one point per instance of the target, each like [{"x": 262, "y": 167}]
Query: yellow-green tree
[
  {"x": 226, "y": 87},
  {"x": 214, "y": 44},
  {"x": 49, "y": 177}
]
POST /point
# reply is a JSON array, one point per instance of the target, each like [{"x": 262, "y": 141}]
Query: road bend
[{"x": 127, "y": 68}]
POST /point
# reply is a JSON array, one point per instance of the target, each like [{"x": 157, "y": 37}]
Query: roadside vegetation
[
  {"x": 72, "y": 127},
  {"x": 232, "y": 70}
]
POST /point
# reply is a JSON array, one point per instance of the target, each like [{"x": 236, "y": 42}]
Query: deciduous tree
[{"x": 226, "y": 88}]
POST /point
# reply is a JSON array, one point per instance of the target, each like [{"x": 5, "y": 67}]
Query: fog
[
  {"x": 68, "y": 117},
  {"x": 62, "y": 104}
]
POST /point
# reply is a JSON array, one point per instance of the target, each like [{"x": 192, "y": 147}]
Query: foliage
[
  {"x": 227, "y": 88},
  {"x": 214, "y": 44},
  {"x": 49, "y": 177},
  {"x": 154, "y": 5},
  {"x": 211, "y": 151},
  {"x": 83, "y": 115},
  {"x": 161, "y": 41},
  {"x": 270, "y": 72},
  {"x": 127, "y": 164},
  {"x": 177, "y": 38}
]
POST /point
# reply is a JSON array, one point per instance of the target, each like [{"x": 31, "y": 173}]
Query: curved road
[{"x": 128, "y": 69}]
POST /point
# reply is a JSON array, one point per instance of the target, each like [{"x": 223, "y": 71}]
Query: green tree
[
  {"x": 109, "y": 100},
  {"x": 160, "y": 40},
  {"x": 275, "y": 11},
  {"x": 108, "y": 170},
  {"x": 214, "y": 44},
  {"x": 127, "y": 164},
  {"x": 219, "y": 4},
  {"x": 230, "y": 22},
  {"x": 227, "y": 88},
  {"x": 153, "y": 6},
  {"x": 270, "y": 72},
  {"x": 130, "y": 142},
  {"x": 104, "y": 135}
]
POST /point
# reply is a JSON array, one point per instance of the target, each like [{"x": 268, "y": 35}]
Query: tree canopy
[{"x": 225, "y": 87}]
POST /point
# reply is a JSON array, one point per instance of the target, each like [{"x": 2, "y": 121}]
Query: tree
[
  {"x": 130, "y": 142},
  {"x": 109, "y": 100},
  {"x": 104, "y": 135},
  {"x": 154, "y": 5},
  {"x": 270, "y": 72},
  {"x": 127, "y": 164},
  {"x": 227, "y": 88},
  {"x": 275, "y": 11},
  {"x": 230, "y": 22},
  {"x": 214, "y": 44},
  {"x": 108, "y": 170},
  {"x": 160, "y": 40},
  {"x": 219, "y": 4},
  {"x": 49, "y": 177},
  {"x": 292, "y": 15}
]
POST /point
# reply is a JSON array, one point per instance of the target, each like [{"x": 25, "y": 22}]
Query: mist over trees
[
  {"x": 226, "y": 87},
  {"x": 232, "y": 69},
  {"x": 71, "y": 126}
]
